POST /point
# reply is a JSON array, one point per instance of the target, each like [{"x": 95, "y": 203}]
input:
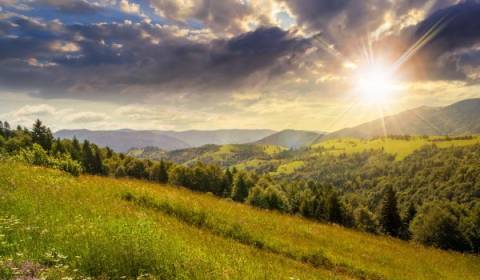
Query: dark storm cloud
[
  {"x": 454, "y": 50},
  {"x": 69, "y": 6},
  {"x": 79, "y": 60},
  {"x": 222, "y": 16}
]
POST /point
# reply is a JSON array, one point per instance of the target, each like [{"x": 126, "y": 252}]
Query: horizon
[{"x": 258, "y": 64}]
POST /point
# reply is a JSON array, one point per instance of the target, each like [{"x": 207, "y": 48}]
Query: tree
[
  {"x": 136, "y": 169},
  {"x": 365, "y": 220},
  {"x": 240, "y": 187},
  {"x": 438, "y": 225},
  {"x": 42, "y": 135},
  {"x": 334, "y": 209},
  {"x": 76, "y": 150},
  {"x": 227, "y": 183},
  {"x": 88, "y": 158},
  {"x": 159, "y": 172},
  {"x": 407, "y": 219},
  {"x": 98, "y": 167},
  {"x": 58, "y": 147},
  {"x": 389, "y": 218}
]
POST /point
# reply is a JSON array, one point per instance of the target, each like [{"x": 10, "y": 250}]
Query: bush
[
  {"x": 437, "y": 225},
  {"x": 365, "y": 220},
  {"x": 36, "y": 155}
]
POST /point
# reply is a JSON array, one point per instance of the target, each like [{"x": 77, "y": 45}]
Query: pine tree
[
  {"x": 334, "y": 209},
  {"x": 88, "y": 158},
  {"x": 390, "y": 221},
  {"x": 163, "y": 172},
  {"x": 58, "y": 147},
  {"x": 98, "y": 167},
  {"x": 227, "y": 183},
  {"x": 76, "y": 151},
  {"x": 240, "y": 188},
  {"x": 42, "y": 135}
]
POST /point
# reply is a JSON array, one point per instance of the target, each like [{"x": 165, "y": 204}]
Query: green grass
[
  {"x": 107, "y": 228},
  {"x": 400, "y": 148},
  {"x": 289, "y": 168}
]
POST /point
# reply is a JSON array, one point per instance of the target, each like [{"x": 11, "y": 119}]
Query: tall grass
[
  {"x": 59, "y": 226},
  {"x": 79, "y": 228}
]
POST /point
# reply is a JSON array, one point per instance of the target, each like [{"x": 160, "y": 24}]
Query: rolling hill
[
  {"x": 125, "y": 139},
  {"x": 290, "y": 138},
  {"x": 461, "y": 118},
  {"x": 55, "y": 226}
]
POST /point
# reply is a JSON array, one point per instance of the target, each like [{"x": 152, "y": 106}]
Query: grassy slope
[
  {"x": 401, "y": 148},
  {"x": 87, "y": 218}
]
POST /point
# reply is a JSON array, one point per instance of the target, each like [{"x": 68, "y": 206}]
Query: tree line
[{"x": 369, "y": 191}]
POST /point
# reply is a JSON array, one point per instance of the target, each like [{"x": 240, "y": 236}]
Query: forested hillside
[
  {"x": 460, "y": 118},
  {"x": 430, "y": 196}
]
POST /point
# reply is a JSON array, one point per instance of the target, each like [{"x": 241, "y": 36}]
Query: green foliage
[
  {"x": 241, "y": 187},
  {"x": 389, "y": 217},
  {"x": 36, "y": 155},
  {"x": 42, "y": 135},
  {"x": 269, "y": 196},
  {"x": 438, "y": 224},
  {"x": 365, "y": 220},
  {"x": 159, "y": 172}
]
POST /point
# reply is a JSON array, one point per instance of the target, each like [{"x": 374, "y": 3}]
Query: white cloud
[
  {"x": 34, "y": 111},
  {"x": 130, "y": 8},
  {"x": 87, "y": 117}
]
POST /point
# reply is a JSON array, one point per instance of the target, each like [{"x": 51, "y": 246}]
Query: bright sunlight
[{"x": 376, "y": 84}]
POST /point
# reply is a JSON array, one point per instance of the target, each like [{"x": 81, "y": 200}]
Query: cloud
[
  {"x": 34, "y": 111},
  {"x": 87, "y": 117},
  {"x": 153, "y": 59},
  {"x": 127, "y": 7}
]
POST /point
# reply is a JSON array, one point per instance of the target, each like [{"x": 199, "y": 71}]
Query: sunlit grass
[
  {"x": 89, "y": 218},
  {"x": 398, "y": 147}
]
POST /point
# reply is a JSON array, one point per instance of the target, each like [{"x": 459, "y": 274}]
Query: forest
[{"x": 432, "y": 196}]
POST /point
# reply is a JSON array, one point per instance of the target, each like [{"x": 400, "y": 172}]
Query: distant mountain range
[
  {"x": 460, "y": 118},
  {"x": 290, "y": 138},
  {"x": 125, "y": 139}
]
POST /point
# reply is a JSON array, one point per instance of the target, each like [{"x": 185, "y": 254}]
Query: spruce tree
[
  {"x": 42, "y": 135},
  {"x": 88, "y": 158},
  {"x": 240, "y": 188},
  {"x": 98, "y": 167},
  {"x": 76, "y": 151},
  {"x": 227, "y": 183},
  {"x": 390, "y": 221},
  {"x": 334, "y": 209},
  {"x": 163, "y": 172}
]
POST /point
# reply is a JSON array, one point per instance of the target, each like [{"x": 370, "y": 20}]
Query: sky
[{"x": 316, "y": 65}]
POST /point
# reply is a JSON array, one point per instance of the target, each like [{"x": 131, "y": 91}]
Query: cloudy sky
[{"x": 212, "y": 64}]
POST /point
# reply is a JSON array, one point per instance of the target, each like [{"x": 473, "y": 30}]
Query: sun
[{"x": 375, "y": 84}]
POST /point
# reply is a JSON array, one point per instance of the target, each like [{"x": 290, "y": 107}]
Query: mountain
[
  {"x": 290, "y": 138},
  {"x": 125, "y": 139},
  {"x": 460, "y": 118}
]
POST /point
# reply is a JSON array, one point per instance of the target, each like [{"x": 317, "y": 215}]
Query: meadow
[
  {"x": 57, "y": 226},
  {"x": 401, "y": 148}
]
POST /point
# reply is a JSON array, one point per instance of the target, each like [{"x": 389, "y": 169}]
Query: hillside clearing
[{"x": 89, "y": 218}]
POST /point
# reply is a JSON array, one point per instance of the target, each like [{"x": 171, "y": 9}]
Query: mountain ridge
[{"x": 459, "y": 118}]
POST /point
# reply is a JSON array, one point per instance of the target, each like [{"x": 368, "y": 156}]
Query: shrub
[{"x": 437, "y": 225}]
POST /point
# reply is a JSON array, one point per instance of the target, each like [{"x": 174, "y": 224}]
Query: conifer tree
[
  {"x": 227, "y": 183},
  {"x": 334, "y": 209},
  {"x": 88, "y": 158},
  {"x": 76, "y": 151},
  {"x": 240, "y": 188},
  {"x": 42, "y": 135},
  {"x": 98, "y": 167},
  {"x": 389, "y": 219}
]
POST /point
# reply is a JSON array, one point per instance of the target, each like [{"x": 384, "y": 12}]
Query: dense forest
[{"x": 432, "y": 196}]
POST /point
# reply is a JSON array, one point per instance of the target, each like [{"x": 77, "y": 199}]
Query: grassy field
[
  {"x": 59, "y": 226},
  {"x": 398, "y": 147}
]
